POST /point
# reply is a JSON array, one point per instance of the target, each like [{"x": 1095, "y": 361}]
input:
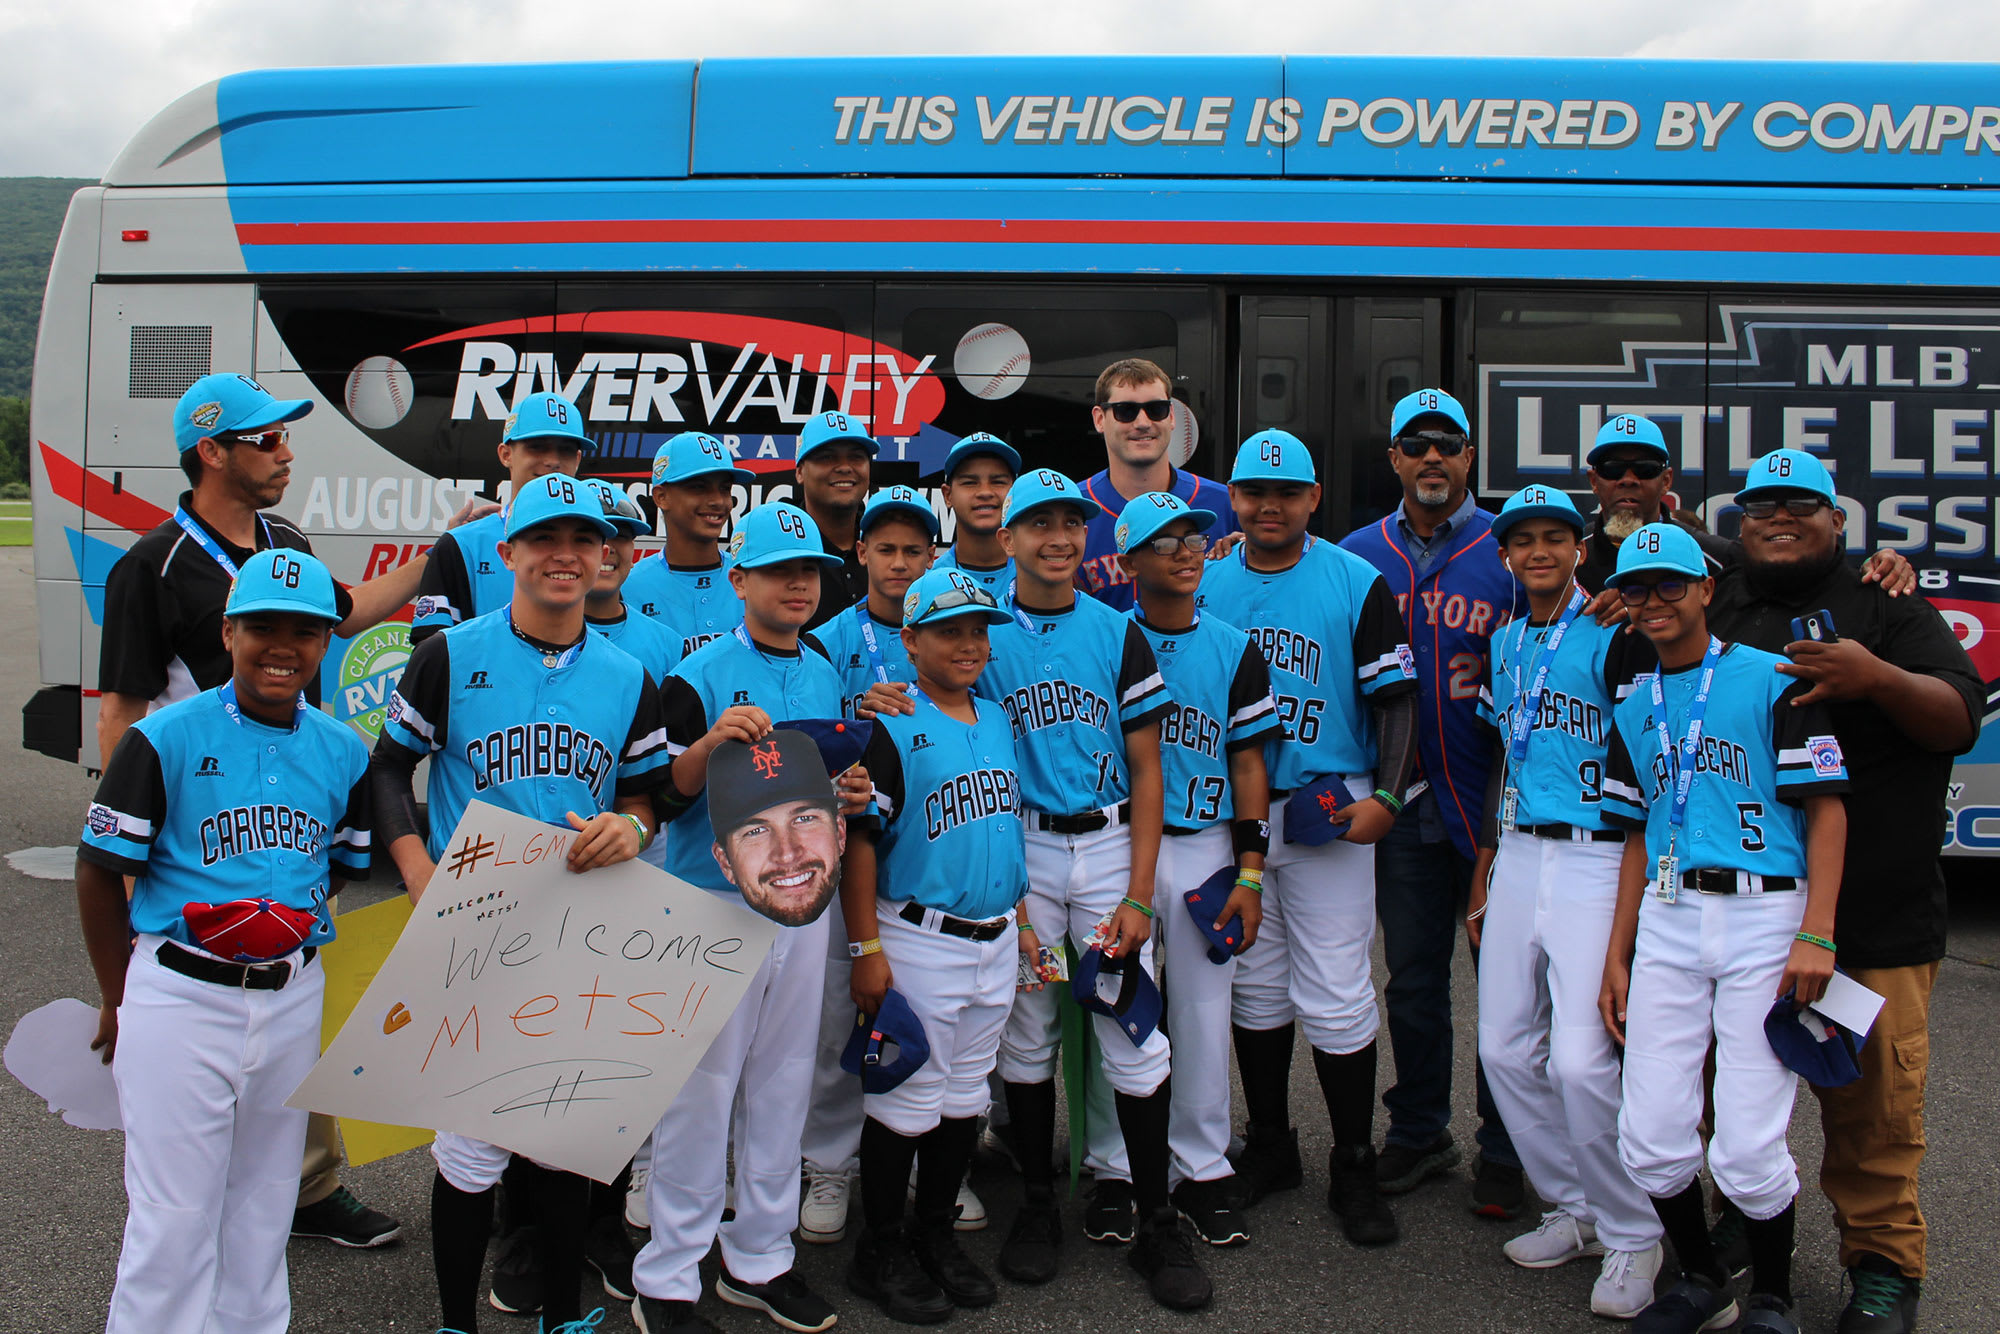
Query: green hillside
[{"x": 31, "y": 214}]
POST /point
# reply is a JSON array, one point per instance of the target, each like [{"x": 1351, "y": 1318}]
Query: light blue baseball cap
[
  {"x": 1788, "y": 470},
  {"x": 1536, "y": 502},
  {"x": 693, "y": 454},
  {"x": 1146, "y": 515},
  {"x": 1659, "y": 548},
  {"x": 619, "y": 508},
  {"x": 894, "y": 501},
  {"x": 281, "y": 579},
  {"x": 834, "y": 427},
  {"x": 1046, "y": 486},
  {"x": 775, "y": 532},
  {"x": 557, "y": 496},
  {"x": 1628, "y": 429},
  {"x": 940, "y": 595},
  {"x": 545, "y": 415},
  {"x": 1427, "y": 403},
  {"x": 225, "y": 404},
  {"x": 976, "y": 444},
  {"x": 1274, "y": 456}
]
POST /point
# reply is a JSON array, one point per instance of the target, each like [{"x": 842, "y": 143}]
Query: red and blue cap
[
  {"x": 1808, "y": 1043},
  {"x": 887, "y": 1048},
  {"x": 1120, "y": 989},
  {"x": 1204, "y": 902}
]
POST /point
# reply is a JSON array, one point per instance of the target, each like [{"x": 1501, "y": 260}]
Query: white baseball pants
[
  {"x": 1551, "y": 1065},
  {"x": 963, "y": 991},
  {"x": 211, "y": 1150},
  {"x": 832, "y": 1140},
  {"x": 1709, "y": 963}
]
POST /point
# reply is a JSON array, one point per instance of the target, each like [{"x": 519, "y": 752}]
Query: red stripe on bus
[
  {"x": 1116, "y": 232},
  {"x": 72, "y": 482}
]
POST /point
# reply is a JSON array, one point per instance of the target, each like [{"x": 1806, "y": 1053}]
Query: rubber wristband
[
  {"x": 857, "y": 949},
  {"x": 645, "y": 834},
  {"x": 1024, "y": 926},
  {"x": 1137, "y": 906},
  {"x": 1388, "y": 799},
  {"x": 1254, "y": 886},
  {"x": 1251, "y": 873},
  {"x": 1821, "y": 941}
]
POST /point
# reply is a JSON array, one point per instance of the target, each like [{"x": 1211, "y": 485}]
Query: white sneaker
[
  {"x": 638, "y": 1213},
  {"x": 823, "y": 1214},
  {"x": 1624, "y": 1285},
  {"x": 1559, "y": 1239},
  {"x": 971, "y": 1213}
]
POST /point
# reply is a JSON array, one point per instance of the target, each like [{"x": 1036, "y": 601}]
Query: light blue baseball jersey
[
  {"x": 1758, "y": 760},
  {"x": 864, "y": 650},
  {"x": 464, "y": 577},
  {"x": 1073, "y": 684},
  {"x": 695, "y": 603},
  {"x": 1221, "y": 688},
  {"x": 203, "y": 804},
  {"x": 1331, "y": 633},
  {"x": 948, "y": 808},
  {"x": 534, "y": 730},
  {"x": 718, "y": 676},
  {"x": 1561, "y": 780},
  {"x": 996, "y": 580},
  {"x": 657, "y": 648}
]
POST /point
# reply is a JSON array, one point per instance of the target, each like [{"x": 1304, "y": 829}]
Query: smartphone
[{"x": 1817, "y": 626}]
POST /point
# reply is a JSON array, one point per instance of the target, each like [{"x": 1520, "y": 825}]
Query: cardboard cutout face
[{"x": 778, "y": 831}]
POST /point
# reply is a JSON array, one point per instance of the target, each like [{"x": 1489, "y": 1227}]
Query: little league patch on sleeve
[
  {"x": 1407, "y": 660},
  {"x": 103, "y": 820},
  {"x": 1825, "y": 752}
]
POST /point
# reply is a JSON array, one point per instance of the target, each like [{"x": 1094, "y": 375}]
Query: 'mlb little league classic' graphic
[{"x": 370, "y": 666}]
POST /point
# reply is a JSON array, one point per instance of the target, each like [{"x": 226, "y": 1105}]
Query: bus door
[{"x": 1329, "y": 369}]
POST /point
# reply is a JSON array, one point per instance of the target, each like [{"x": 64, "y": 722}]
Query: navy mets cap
[
  {"x": 746, "y": 777},
  {"x": 841, "y": 741},
  {"x": 889, "y": 1047},
  {"x": 1120, "y": 989},
  {"x": 1205, "y": 903},
  {"x": 1808, "y": 1043},
  {"x": 1309, "y": 812}
]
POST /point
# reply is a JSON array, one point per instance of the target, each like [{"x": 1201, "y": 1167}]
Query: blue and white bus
[{"x": 1754, "y": 255}]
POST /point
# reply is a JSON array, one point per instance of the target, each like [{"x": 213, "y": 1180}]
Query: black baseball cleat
[
  {"x": 1110, "y": 1214},
  {"x": 517, "y": 1275},
  {"x": 885, "y": 1271},
  {"x": 1356, "y": 1196},
  {"x": 1400, "y": 1168},
  {"x": 1497, "y": 1190},
  {"x": 1206, "y": 1205},
  {"x": 1690, "y": 1306},
  {"x": 1885, "y": 1300},
  {"x": 607, "y": 1248},
  {"x": 654, "y": 1316},
  {"x": 1766, "y": 1314},
  {"x": 935, "y": 1244},
  {"x": 345, "y": 1221},
  {"x": 1268, "y": 1163},
  {"x": 1164, "y": 1258},
  {"x": 1034, "y": 1243},
  {"x": 786, "y": 1299}
]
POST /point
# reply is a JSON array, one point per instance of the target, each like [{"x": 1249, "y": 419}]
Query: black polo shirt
[
  {"x": 1602, "y": 557},
  {"x": 841, "y": 587},
  {"x": 163, "y": 604},
  {"x": 1892, "y": 898}
]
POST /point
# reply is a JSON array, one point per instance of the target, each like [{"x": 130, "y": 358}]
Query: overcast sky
[{"x": 85, "y": 74}]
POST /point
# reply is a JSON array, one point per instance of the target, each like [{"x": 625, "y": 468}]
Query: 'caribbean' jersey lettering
[{"x": 1221, "y": 688}]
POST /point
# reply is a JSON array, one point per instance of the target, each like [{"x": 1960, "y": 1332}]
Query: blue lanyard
[
  {"x": 1680, "y": 761},
  {"x": 868, "y": 641},
  {"x": 1020, "y": 617},
  {"x": 207, "y": 543},
  {"x": 229, "y": 706},
  {"x": 1527, "y": 709}
]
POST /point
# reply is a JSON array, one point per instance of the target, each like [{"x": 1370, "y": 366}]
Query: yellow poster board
[{"x": 362, "y": 940}]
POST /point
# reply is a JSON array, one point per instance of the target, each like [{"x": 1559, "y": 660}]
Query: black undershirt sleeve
[{"x": 1396, "y": 739}]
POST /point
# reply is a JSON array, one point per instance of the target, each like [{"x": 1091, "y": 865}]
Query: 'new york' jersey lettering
[{"x": 1221, "y": 688}]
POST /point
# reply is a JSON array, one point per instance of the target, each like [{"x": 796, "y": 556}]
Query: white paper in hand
[{"x": 1849, "y": 1004}]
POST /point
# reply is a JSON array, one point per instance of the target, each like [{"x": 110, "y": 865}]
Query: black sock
[
  {"x": 461, "y": 1222},
  {"x": 885, "y": 1174},
  {"x": 944, "y": 1153},
  {"x": 1264, "y": 1060},
  {"x": 609, "y": 1201},
  {"x": 560, "y": 1209},
  {"x": 1144, "y": 1123},
  {"x": 1685, "y": 1218},
  {"x": 1348, "y": 1085},
  {"x": 1031, "y": 1110},
  {"x": 1771, "y": 1252}
]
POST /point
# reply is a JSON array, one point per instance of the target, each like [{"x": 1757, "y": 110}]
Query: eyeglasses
[
  {"x": 1801, "y": 506},
  {"x": 265, "y": 442},
  {"x": 1670, "y": 590},
  {"x": 1156, "y": 410},
  {"x": 1167, "y": 546},
  {"x": 1449, "y": 444},
  {"x": 951, "y": 601},
  {"x": 1644, "y": 469}
]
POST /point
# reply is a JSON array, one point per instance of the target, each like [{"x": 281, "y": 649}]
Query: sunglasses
[
  {"x": 1801, "y": 506},
  {"x": 1644, "y": 469},
  {"x": 1167, "y": 546},
  {"x": 264, "y": 442},
  {"x": 1156, "y": 410},
  {"x": 1449, "y": 444},
  {"x": 952, "y": 600},
  {"x": 1670, "y": 590}
]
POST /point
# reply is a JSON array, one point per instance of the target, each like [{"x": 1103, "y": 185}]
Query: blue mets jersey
[
  {"x": 695, "y": 603},
  {"x": 657, "y": 648},
  {"x": 948, "y": 808},
  {"x": 864, "y": 650},
  {"x": 532, "y": 729},
  {"x": 1100, "y": 574},
  {"x": 1561, "y": 779},
  {"x": 1073, "y": 683},
  {"x": 1221, "y": 689},
  {"x": 1758, "y": 759},
  {"x": 718, "y": 676},
  {"x": 464, "y": 578},
  {"x": 203, "y": 804},
  {"x": 1330, "y": 632},
  {"x": 995, "y": 580}
]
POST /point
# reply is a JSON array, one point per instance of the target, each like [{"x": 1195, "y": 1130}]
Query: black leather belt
[
  {"x": 1087, "y": 823},
  {"x": 244, "y": 976},
  {"x": 1736, "y": 882},
  {"x": 1175, "y": 831},
  {"x": 1569, "y": 832},
  {"x": 946, "y": 924}
]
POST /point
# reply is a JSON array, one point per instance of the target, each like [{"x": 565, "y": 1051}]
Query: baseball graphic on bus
[
  {"x": 991, "y": 360},
  {"x": 380, "y": 392},
  {"x": 1184, "y": 435}
]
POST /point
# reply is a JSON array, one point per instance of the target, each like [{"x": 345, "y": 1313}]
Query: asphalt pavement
[{"x": 62, "y": 1204}]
